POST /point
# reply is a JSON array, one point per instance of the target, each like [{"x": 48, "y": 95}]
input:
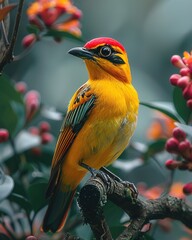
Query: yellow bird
[{"x": 99, "y": 123}]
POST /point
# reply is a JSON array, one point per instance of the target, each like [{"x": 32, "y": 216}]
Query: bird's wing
[{"x": 79, "y": 108}]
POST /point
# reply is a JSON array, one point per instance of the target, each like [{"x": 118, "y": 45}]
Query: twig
[
  {"x": 93, "y": 196},
  {"x": 4, "y": 33},
  {"x": 8, "y": 55}
]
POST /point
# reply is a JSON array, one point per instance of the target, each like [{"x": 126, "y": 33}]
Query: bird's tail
[{"x": 57, "y": 211}]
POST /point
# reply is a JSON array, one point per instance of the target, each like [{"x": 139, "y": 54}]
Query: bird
[{"x": 99, "y": 123}]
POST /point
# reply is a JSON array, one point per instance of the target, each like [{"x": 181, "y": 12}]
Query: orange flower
[
  {"x": 187, "y": 58},
  {"x": 161, "y": 127},
  {"x": 71, "y": 26},
  {"x": 155, "y": 192}
]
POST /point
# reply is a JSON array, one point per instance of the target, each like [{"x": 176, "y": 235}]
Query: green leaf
[
  {"x": 62, "y": 34},
  {"x": 21, "y": 201},
  {"x": 6, "y": 185},
  {"x": 8, "y": 119},
  {"x": 7, "y": 88},
  {"x": 181, "y": 105},
  {"x": 36, "y": 193},
  {"x": 11, "y": 107},
  {"x": 116, "y": 230},
  {"x": 113, "y": 214},
  {"x": 33, "y": 29},
  {"x": 186, "y": 128},
  {"x": 164, "y": 107},
  {"x": 154, "y": 148},
  {"x": 148, "y": 237}
]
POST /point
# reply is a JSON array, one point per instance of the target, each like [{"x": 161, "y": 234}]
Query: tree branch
[
  {"x": 94, "y": 195},
  {"x": 8, "y": 53}
]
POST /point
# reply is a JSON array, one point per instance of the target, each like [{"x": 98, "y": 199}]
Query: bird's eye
[{"x": 105, "y": 51}]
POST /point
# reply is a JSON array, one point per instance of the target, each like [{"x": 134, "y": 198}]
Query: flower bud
[
  {"x": 171, "y": 164},
  {"x": 184, "y": 145},
  {"x": 32, "y": 102},
  {"x": 185, "y": 71},
  {"x": 177, "y": 61},
  {"x": 44, "y": 127},
  {"x": 46, "y": 138},
  {"x": 187, "y": 92},
  {"x": 4, "y": 135},
  {"x": 187, "y": 188},
  {"x": 174, "y": 79},
  {"x": 189, "y": 103},
  {"x": 29, "y": 40},
  {"x": 184, "y": 148},
  {"x": 179, "y": 134},
  {"x": 21, "y": 87},
  {"x": 183, "y": 82},
  {"x": 172, "y": 145}
]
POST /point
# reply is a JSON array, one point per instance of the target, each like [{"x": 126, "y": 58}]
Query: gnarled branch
[{"x": 94, "y": 195}]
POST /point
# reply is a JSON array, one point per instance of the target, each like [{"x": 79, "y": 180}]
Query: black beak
[{"x": 81, "y": 53}]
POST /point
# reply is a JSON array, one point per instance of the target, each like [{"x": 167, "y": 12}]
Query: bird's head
[{"x": 105, "y": 58}]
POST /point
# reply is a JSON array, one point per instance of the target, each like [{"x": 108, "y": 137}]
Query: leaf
[
  {"x": 7, "y": 87},
  {"x": 62, "y": 34},
  {"x": 21, "y": 201},
  {"x": 11, "y": 107},
  {"x": 113, "y": 214},
  {"x": 154, "y": 148},
  {"x": 148, "y": 237},
  {"x": 6, "y": 185},
  {"x": 33, "y": 29},
  {"x": 186, "y": 128},
  {"x": 36, "y": 193},
  {"x": 5, "y": 10},
  {"x": 164, "y": 107},
  {"x": 181, "y": 105},
  {"x": 8, "y": 119}
]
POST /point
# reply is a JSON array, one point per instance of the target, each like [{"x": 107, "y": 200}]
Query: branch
[
  {"x": 96, "y": 191},
  {"x": 8, "y": 54}
]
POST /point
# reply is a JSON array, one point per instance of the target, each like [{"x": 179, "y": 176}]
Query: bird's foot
[
  {"x": 131, "y": 190},
  {"x": 104, "y": 175},
  {"x": 108, "y": 177}
]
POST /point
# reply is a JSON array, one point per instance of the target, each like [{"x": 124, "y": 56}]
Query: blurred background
[{"x": 151, "y": 31}]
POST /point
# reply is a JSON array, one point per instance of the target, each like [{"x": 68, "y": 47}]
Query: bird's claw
[{"x": 131, "y": 190}]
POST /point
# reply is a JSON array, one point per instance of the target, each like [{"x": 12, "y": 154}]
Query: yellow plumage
[{"x": 100, "y": 121}]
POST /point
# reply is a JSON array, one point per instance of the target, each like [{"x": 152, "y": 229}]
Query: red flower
[{"x": 49, "y": 11}]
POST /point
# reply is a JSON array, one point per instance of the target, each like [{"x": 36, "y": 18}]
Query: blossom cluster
[
  {"x": 183, "y": 80},
  {"x": 60, "y": 15},
  {"x": 181, "y": 147}
]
